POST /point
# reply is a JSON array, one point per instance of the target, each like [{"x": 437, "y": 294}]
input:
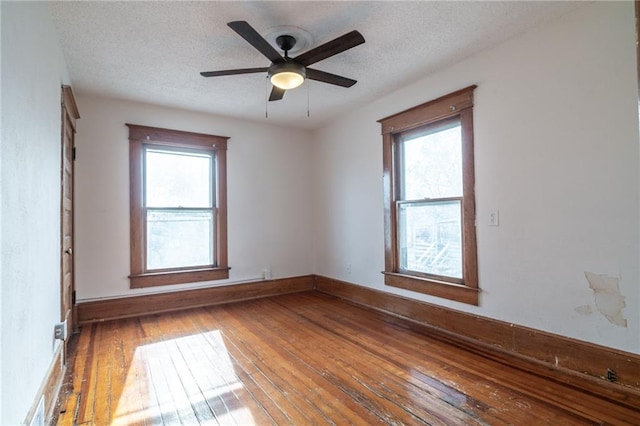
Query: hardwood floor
[{"x": 304, "y": 358}]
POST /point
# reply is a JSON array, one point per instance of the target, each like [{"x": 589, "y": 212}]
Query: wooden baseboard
[
  {"x": 163, "y": 302},
  {"x": 561, "y": 358},
  {"x": 49, "y": 388}
]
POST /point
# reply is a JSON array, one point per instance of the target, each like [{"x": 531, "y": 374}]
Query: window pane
[
  {"x": 176, "y": 179},
  {"x": 178, "y": 239},
  {"x": 432, "y": 164},
  {"x": 430, "y": 238}
]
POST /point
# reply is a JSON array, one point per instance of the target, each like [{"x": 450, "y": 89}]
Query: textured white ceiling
[{"x": 153, "y": 51}]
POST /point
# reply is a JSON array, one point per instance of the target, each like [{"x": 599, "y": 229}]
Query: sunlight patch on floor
[{"x": 187, "y": 380}]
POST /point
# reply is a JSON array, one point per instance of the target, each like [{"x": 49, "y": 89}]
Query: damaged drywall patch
[{"x": 609, "y": 301}]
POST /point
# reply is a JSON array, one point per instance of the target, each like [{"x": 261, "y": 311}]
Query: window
[
  {"x": 430, "y": 236},
  {"x": 178, "y": 207}
]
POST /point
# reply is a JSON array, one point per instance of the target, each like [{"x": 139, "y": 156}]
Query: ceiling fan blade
[
  {"x": 333, "y": 47},
  {"x": 326, "y": 77},
  {"x": 232, "y": 72},
  {"x": 247, "y": 32},
  {"x": 276, "y": 94}
]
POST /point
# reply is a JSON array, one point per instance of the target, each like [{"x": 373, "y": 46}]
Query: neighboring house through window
[
  {"x": 178, "y": 206},
  {"x": 430, "y": 234}
]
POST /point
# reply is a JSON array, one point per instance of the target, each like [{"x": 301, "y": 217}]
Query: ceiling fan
[{"x": 287, "y": 73}]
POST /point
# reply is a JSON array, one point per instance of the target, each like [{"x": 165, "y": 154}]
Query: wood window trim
[
  {"x": 459, "y": 103},
  {"x": 139, "y": 135}
]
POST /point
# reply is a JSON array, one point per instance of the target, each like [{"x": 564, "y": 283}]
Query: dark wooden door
[{"x": 67, "y": 302}]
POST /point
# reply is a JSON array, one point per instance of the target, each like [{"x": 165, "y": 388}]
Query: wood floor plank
[
  {"x": 195, "y": 352},
  {"x": 241, "y": 362},
  {"x": 381, "y": 383},
  {"x": 242, "y": 407},
  {"x": 399, "y": 353},
  {"x": 130, "y": 406},
  {"x": 396, "y": 351},
  {"x": 243, "y": 369},
  {"x": 270, "y": 365},
  {"x": 149, "y": 334},
  {"x": 582, "y": 407},
  {"x": 73, "y": 379},
  {"x": 399, "y": 362},
  {"x": 87, "y": 395},
  {"x": 314, "y": 384},
  {"x": 392, "y": 386},
  {"x": 305, "y": 358}
]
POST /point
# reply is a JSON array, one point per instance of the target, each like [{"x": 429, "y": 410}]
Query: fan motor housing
[{"x": 286, "y": 42}]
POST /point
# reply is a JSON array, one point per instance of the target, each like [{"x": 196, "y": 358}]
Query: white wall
[
  {"x": 268, "y": 184},
  {"x": 32, "y": 71},
  {"x": 556, "y": 134}
]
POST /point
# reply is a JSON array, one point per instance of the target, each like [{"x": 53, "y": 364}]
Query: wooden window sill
[
  {"x": 153, "y": 279},
  {"x": 457, "y": 292}
]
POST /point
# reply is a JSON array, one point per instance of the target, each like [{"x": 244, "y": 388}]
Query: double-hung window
[
  {"x": 178, "y": 206},
  {"x": 430, "y": 242}
]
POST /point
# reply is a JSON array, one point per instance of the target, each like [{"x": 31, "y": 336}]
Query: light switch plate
[{"x": 494, "y": 218}]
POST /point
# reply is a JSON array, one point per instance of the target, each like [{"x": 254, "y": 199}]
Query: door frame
[{"x": 69, "y": 110}]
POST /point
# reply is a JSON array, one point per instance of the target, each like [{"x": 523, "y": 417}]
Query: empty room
[{"x": 319, "y": 212}]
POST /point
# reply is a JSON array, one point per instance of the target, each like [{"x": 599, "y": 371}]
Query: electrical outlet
[
  {"x": 60, "y": 330},
  {"x": 266, "y": 274}
]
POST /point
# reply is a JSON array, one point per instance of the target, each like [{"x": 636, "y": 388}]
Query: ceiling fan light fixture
[{"x": 287, "y": 75}]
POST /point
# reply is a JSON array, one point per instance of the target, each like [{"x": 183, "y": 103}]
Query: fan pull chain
[
  {"x": 307, "y": 98},
  {"x": 266, "y": 98}
]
